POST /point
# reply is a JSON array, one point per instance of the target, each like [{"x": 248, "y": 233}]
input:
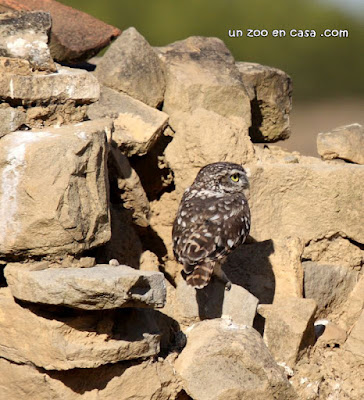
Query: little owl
[{"x": 213, "y": 219}]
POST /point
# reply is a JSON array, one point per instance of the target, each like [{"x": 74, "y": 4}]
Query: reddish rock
[{"x": 75, "y": 36}]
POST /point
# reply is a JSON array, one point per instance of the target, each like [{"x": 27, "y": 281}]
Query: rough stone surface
[
  {"x": 11, "y": 119},
  {"x": 328, "y": 285},
  {"x": 289, "y": 328},
  {"x": 355, "y": 341},
  {"x": 64, "y": 209},
  {"x": 269, "y": 269},
  {"x": 333, "y": 336},
  {"x": 126, "y": 182},
  {"x": 270, "y": 93},
  {"x": 25, "y": 35},
  {"x": 345, "y": 142},
  {"x": 97, "y": 288},
  {"x": 313, "y": 200},
  {"x": 334, "y": 249},
  {"x": 352, "y": 308},
  {"x": 60, "y": 342},
  {"x": 201, "y": 73},
  {"x": 223, "y": 360},
  {"x": 131, "y": 66},
  {"x": 122, "y": 381},
  {"x": 188, "y": 305},
  {"x": 137, "y": 126},
  {"x": 203, "y": 137},
  {"x": 75, "y": 35},
  {"x": 65, "y": 84}
]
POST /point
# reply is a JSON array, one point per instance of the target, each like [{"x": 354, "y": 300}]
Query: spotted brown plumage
[{"x": 213, "y": 219}]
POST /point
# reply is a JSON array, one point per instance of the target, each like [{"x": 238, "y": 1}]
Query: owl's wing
[{"x": 209, "y": 229}]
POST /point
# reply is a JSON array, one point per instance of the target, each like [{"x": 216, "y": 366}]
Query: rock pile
[{"x": 93, "y": 166}]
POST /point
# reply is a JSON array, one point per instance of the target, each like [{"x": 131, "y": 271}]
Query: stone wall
[{"x": 92, "y": 168}]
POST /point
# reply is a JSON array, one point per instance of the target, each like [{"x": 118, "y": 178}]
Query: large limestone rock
[
  {"x": 289, "y": 328},
  {"x": 65, "y": 84},
  {"x": 201, "y": 73},
  {"x": 131, "y": 66},
  {"x": 25, "y": 35},
  {"x": 53, "y": 190},
  {"x": 137, "y": 126},
  {"x": 309, "y": 200},
  {"x": 123, "y": 381},
  {"x": 61, "y": 341},
  {"x": 270, "y": 93},
  {"x": 188, "y": 305},
  {"x": 98, "y": 288},
  {"x": 345, "y": 142},
  {"x": 203, "y": 137},
  {"x": 328, "y": 285},
  {"x": 223, "y": 360}
]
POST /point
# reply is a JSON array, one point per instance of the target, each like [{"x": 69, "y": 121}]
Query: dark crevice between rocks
[
  {"x": 257, "y": 119},
  {"x": 155, "y": 179},
  {"x": 3, "y": 282}
]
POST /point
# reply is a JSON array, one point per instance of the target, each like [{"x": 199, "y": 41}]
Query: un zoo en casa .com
[{"x": 300, "y": 33}]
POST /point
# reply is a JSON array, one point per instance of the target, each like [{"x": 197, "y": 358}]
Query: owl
[{"x": 213, "y": 219}]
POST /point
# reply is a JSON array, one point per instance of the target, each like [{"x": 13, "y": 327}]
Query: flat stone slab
[
  {"x": 65, "y": 84},
  {"x": 98, "y": 288},
  {"x": 64, "y": 340},
  {"x": 25, "y": 35},
  {"x": 345, "y": 142},
  {"x": 75, "y": 35}
]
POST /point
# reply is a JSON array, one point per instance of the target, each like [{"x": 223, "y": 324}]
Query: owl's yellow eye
[{"x": 235, "y": 177}]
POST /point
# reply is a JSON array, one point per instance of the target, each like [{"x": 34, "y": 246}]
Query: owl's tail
[{"x": 201, "y": 275}]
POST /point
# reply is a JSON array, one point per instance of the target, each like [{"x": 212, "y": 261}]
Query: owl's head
[{"x": 222, "y": 177}]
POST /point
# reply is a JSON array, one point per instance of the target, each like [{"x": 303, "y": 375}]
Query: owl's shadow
[
  {"x": 249, "y": 267},
  {"x": 210, "y": 299}
]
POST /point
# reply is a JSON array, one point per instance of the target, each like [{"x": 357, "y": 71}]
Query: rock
[
  {"x": 126, "y": 185},
  {"x": 203, "y": 137},
  {"x": 124, "y": 381},
  {"x": 289, "y": 328},
  {"x": 328, "y": 285},
  {"x": 11, "y": 119},
  {"x": 188, "y": 305},
  {"x": 309, "y": 200},
  {"x": 333, "y": 336},
  {"x": 97, "y": 288},
  {"x": 16, "y": 66},
  {"x": 345, "y": 142},
  {"x": 125, "y": 244},
  {"x": 68, "y": 112},
  {"x": 65, "y": 341},
  {"x": 270, "y": 93},
  {"x": 75, "y": 35},
  {"x": 53, "y": 192},
  {"x": 352, "y": 308},
  {"x": 223, "y": 360},
  {"x": 137, "y": 126},
  {"x": 355, "y": 341},
  {"x": 268, "y": 269},
  {"x": 131, "y": 66},
  {"x": 334, "y": 249},
  {"x": 66, "y": 84},
  {"x": 25, "y": 35},
  {"x": 201, "y": 73}
]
